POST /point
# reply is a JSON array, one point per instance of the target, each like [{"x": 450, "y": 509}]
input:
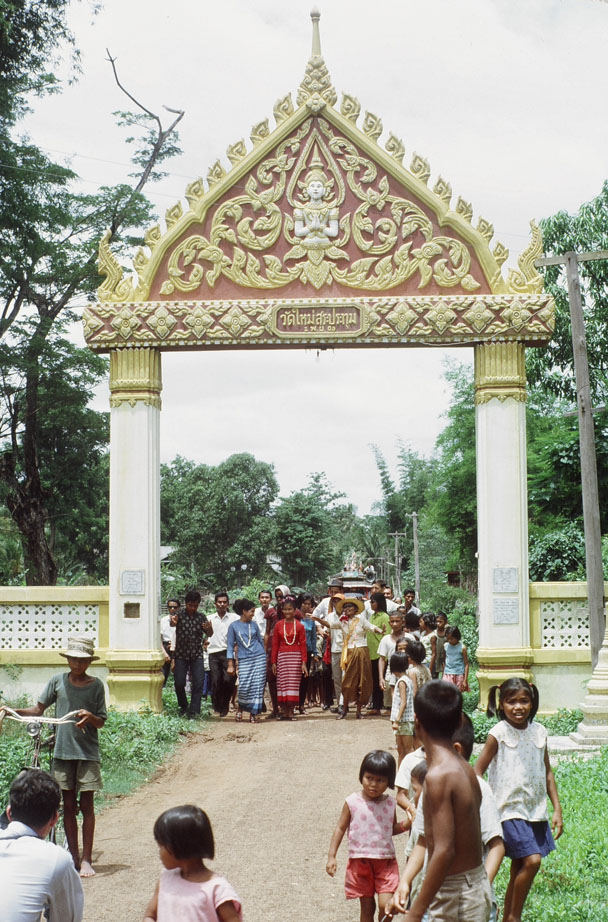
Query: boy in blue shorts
[{"x": 76, "y": 765}]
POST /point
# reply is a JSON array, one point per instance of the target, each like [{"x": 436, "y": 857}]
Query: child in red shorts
[{"x": 370, "y": 817}]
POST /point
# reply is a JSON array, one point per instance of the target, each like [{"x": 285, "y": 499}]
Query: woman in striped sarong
[
  {"x": 245, "y": 653},
  {"x": 289, "y": 658}
]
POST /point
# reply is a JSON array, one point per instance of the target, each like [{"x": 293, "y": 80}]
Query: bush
[{"x": 558, "y": 555}]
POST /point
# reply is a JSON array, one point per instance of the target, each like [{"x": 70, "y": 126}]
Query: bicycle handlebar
[{"x": 27, "y": 719}]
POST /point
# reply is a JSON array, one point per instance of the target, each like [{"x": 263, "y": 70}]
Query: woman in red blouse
[{"x": 288, "y": 658}]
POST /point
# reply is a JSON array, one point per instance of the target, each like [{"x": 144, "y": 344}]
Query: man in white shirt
[
  {"x": 168, "y": 625},
  {"x": 222, "y": 683},
  {"x": 323, "y": 610},
  {"x": 36, "y": 875},
  {"x": 380, "y": 586},
  {"x": 265, "y": 600}
]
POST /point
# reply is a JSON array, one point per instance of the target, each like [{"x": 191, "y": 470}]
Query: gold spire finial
[
  {"x": 315, "y": 15},
  {"x": 316, "y": 88}
]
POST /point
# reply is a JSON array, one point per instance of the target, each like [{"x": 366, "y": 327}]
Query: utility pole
[
  {"x": 396, "y": 535},
  {"x": 591, "y": 507},
  {"x": 416, "y": 559}
]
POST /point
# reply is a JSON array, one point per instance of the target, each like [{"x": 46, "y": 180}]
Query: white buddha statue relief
[{"x": 316, "y": 220}]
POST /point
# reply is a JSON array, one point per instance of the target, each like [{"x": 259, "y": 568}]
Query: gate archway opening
[{"x": 317, "y": 237}]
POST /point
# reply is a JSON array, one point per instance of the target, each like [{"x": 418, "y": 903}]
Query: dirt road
[{"x": 273, "y": 792}]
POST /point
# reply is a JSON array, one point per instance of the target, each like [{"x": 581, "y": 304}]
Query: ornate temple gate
[{"x": 317, "y": 238}]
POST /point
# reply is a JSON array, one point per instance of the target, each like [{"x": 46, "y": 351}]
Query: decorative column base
[
  {"x": 135, "y": 679},
  {"x": 496, "y": 665},
  {"x": 593, "y": 729}
]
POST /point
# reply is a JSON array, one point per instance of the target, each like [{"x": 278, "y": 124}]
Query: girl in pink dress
[
  {"x": 370, "y": 818},
  {"x": 188, "y": 891}
]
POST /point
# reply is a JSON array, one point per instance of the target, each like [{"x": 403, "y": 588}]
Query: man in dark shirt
[{"x": 191, "y": 624}]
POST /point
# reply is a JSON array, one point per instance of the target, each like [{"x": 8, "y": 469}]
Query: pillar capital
[
  {"x": 135, "y": 377},
  {"x": 500, "y": 372}
]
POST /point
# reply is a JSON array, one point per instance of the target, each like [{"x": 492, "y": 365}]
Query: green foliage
[
  {"x": 309, "y": 527},
  {"x": 562, "y": 723},
  {"x": 551, "y": 368},
  {"x": 218, "y": 519},
  {"x": 558, "y": 555},
  {"x": 573, "y": 880},
  {"x": 454, "y": 506}
]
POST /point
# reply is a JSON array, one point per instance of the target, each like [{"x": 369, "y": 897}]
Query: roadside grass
[
  {"x": 132, "y": 746},
  {"x": 572, "y": 883}
]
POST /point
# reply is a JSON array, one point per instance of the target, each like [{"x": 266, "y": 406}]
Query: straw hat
[
  {"x": 352, "y": 600},
  {"x": 80, "y": 648}
]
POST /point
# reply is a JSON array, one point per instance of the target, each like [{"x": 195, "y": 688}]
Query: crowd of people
[
  {"x": 365, "y": 656},
  {"x": 334, "y": 654}
]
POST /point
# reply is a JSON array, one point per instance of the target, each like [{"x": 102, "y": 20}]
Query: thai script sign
[{"x": 318, "y": 320}]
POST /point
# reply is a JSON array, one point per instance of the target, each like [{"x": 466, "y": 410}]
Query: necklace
[
  {"x": 247, "y": 643},
  {"x": 291, "y": 642}
]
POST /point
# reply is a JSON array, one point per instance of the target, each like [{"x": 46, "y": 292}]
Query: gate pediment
[{"x": 318, "y": 234}]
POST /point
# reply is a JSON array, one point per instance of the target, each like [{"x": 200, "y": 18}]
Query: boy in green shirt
[{"x": 76, "y": 754}]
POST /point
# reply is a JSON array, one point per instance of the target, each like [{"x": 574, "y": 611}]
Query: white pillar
[
  {"x": 134, "y": 657},
  {"x": 502, "y": 514}
]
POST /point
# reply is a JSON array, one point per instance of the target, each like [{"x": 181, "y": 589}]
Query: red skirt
[{"x": 289, "y": 674}]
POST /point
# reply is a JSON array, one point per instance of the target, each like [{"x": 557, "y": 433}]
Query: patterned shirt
[
  {"x": 189, "y": 635},
  {"x": 517, "y": 773}
]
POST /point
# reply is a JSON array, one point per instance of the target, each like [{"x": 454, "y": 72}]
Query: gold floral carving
[
  {"x": 419, "y": 167},
  {"x": 244, "y": 229},
  {"x": 283, "y": 108},
  {"x": 385, "y": 320},
  {"x": 135, "y": 377},
  {"x": 350, "y": 108},
  {"x": 260, "y": 132},
  {"x": 444, "y": 190},
  {"x": 372, "y": 125},
  {"x": 236, "y": 152},
  {"x": 216, "y": 173},
  {"x": 527, "y": 278},
  {"x": 114, "y": 287},
  {"x": 395, "y": 147},
  {"x": 500, "y": 372},
  {"x": 465, "y": 209}
]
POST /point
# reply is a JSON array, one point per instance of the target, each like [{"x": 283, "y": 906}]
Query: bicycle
[{"x": 40, "y": 742}]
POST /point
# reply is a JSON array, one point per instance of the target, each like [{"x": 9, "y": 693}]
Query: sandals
[
  {"x": 254, "y": 719},
  {"x": 238, "y": 716}
]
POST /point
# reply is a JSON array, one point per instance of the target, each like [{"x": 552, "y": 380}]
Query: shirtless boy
[{"x": 456, "y": 887}]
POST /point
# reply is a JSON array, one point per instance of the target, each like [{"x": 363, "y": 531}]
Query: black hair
[
  {"x": 34, "y": 798},
  {"x": 241, "y": 605},
  {"x": 380, "y": 599},
  {"x": 221, "y": 595},
  {"x": 505, "y": 691},
  {"x": 306, "y": 597},
  {"x": 441, "y": 614},
  {"x": 408, "y": 591},
  {"x": 454, "y": 632},
  {"x": 185, "y": 832},
  {"x": 412, "y": 621},
  {"x": 438, "y": 707},
  {"x": 379, "y": 762},
  {"x": 267, "y": 591},
  {"x": 465, "y": 735},
  {"x": 380, "y": 582},
  {"x": 193, "y": 595},
  {"x": 416, "y": 651},
  {"x": 418, "y": 773},
  {"x": 429, "y": 619},
  {"x": 288, "y": 600},
  {"x": 398, "y": 663},
  {"x": 177, "y": 602}
]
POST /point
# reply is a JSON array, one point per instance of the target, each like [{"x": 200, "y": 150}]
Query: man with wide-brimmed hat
[
  {"x": 325, "y": 607},
  {"x": 76, "y": 764}
]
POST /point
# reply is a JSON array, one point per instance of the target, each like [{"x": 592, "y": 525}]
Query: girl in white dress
[{"x": 521, "y": 777}]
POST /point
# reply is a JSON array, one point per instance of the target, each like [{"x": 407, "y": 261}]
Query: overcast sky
[{"x": 506, "y": 98}]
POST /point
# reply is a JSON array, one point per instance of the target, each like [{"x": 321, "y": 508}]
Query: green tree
[
  {"x": 218, "y": 519},
  {"x": 50, "y": 234},
  {"x": 552, "y": 368},
  {"x": 454, "y": 504},
  {"x": 313, "y": 533}
]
